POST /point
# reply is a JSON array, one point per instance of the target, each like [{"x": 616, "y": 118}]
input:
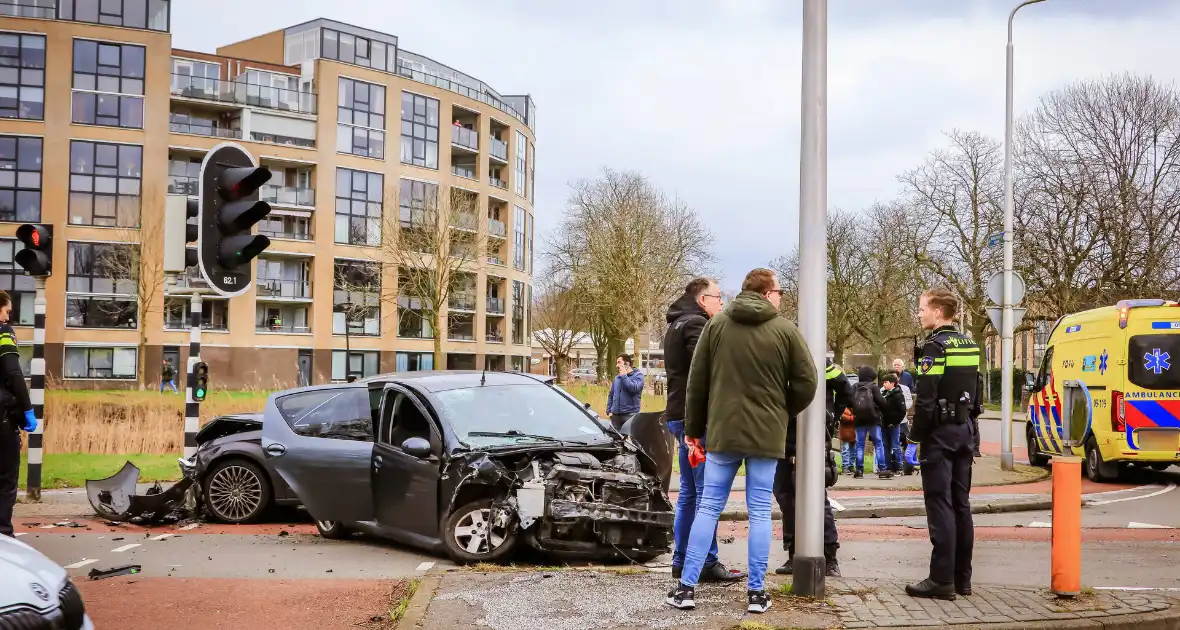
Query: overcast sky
[{"x": 702, "y": 96}]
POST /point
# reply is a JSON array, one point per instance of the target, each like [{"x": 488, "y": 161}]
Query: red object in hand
[{"x": 696, "y": 454}]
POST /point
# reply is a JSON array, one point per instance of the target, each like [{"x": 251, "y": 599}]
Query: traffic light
[
  {"x": 200, "y": 381},
  {"x": 179, "y": 234},
  {"x": 37, "y": 256},
  {"x": 229, "y": 208}
]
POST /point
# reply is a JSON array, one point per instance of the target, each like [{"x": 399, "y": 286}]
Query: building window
[
  {"x": 356, "y": 298},
  {"x": 414, "y": 361},
  {"x": 528, "y": 311},
  {"x": 108, "y": 363},
  {"x": 417, "y": 203},
  {"x": 147, "y": 14},
  {"x": 522, "y": 152},
  {"x": 43, "y": 9},
  {"x": 419, "y": 130},
  {"x": 359, "y": 364},
  {"x": 283, "y": 278},
  {"x": 20, "y": 179},
  {"x": 214, "y": 314},
  {"x": 532, "y": 180},
  {"x": 105, "y": 183},
  {"x": 517, "y": 312},
  {"x": 100, "y": 289},
  {"x": 184, "y": 175},
  {"x": 358, "y": 50},
  {"x": 518, "y": 238},
  {"x": 358, "y": 207},
  {"x": 518, "y": 363},
  {"x": 361, "y": 119},
  {"x": 22, "y": 76},
  {"x": 281, "y": 318},
  {"x": 413, "y": 313},
  {"x": 108, "y": 84},
  {"x": 460, "y": 361},
  {"x": 21, "y": 288},
  {"x": 529, "y": 222}
]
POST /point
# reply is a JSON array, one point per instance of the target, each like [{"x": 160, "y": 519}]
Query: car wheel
[
  {"x": 471, "y": 534},
  {"x": 1035, "y": 456},
  {"x": 1160, "y": 466},
  {"x": 237, "y": 491},
  {"x": 1096, "y": 468},
  {"x": 332, "y": 529}
]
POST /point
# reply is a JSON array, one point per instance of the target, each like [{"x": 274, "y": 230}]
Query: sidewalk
[{"x": 581, "y": 599}]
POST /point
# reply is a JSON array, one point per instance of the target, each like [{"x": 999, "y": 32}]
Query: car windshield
[{"x": 501, "y": 415}]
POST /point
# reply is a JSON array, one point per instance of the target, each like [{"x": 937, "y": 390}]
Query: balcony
[
  {"x": 496, "y": 260},
  {"x": 279, "y": 327},
  {"x": 42, "y": 9},
  {"x": 291, "y": 228},
  {"x": 497, "y": 228},
  {"x": 180, "y": 185},
  {"x": 239, "y": 93},
  {"x": 496, "y": 182},
  {"x": 287, "y": 195},
  {"x": 284, "y": 289},
  {"x": 483, "y": 94},
  {"x": 464, "y": 138},
  {"x": 200, "y": 127},
  {"x": 463, "y": 170},
  {"x": 275, "y": 138},
  {"x": 494, "y": 336},
  {"x": 462, "y": 302},
  {"x": 495, "y": 306},
  {"x": 465, "y": 221},
  {"x": 499, "y": 150}
]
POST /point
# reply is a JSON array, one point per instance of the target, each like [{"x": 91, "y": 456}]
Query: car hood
[
  {"x": 27, "y": 576},
  {"x": 229, "y": 425}
]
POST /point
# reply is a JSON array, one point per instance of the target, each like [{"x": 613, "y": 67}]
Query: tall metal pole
[
  {"x": 809, "y": 564},
  {"x": 192, "y": 407},
  {"x": 1007, "y": 461},
  {"x": 37, "y": 396}
]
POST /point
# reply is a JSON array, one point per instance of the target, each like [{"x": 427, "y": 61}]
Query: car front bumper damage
[{"x": 115, "y": 498}]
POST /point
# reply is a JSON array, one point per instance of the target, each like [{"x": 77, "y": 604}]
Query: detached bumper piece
[
  {"x": 560, "y": 510},
  {"x": 114, "y": 498}
]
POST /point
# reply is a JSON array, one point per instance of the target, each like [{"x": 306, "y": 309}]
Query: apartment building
[{"x": 101, "y": 119}]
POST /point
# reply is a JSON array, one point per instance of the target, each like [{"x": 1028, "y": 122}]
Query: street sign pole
[
  {"x": 811, "y": 449},
  {"x": 192, "y": 406}
]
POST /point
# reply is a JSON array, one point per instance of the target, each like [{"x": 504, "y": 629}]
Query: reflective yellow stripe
[
  {"x": 832, "y": 372},
  {"x": 7, "y": 339},
  {"x": 934, "y": 371},
  {"x": 964, "y": 350},
  {"x": 963, "y": 360}
]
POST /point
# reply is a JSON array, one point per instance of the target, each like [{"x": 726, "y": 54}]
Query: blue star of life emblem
[
  {"x": 1102, "y": 362},
  {"x": 1157, "y": 361}
]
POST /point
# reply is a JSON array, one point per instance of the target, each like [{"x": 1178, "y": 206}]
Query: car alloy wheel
[
  {"x": 235, "y": 492},
  {"x": 476, "y": 534}
]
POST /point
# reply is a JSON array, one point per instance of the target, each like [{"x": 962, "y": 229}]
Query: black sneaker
[
  {"x": 885, "y": 474},
  {"x": 759, "y": 601},
  {"x": 682, "y": 597},
  {"x": 931, "y": 590},
  {"x": 717, "y": 572},
  {"x": 676, "y": 569},
  {"x": 858, "y": 475},
  {"x": 833, "y": 568},
  {"x": 786, "y": 569}
]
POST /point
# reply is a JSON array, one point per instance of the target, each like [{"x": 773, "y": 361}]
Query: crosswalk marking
[
  {"x": 124, "y": 548},
  {"x": 425, "y": 566},
  {"x": 1040, "y": 524},
  {"x": 81, "y": 563},
  {"x": 162, "y": 537},
  {"x": 1135, "y": 525}
]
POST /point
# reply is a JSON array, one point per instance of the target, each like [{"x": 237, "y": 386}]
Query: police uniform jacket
[
  {"x": 15, "y": 396},
  {"x": 948, "y": 366}
]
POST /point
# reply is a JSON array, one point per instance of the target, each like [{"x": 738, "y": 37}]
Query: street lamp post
[{"x": 1006, "y": 323}]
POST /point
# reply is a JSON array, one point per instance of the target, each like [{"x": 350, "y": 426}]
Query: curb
[
  {"x": 420, "y": 602},
  {"x": 908, "y": 510},
  {"x": 1041, "y": 474},
  {"x": 1163, "y": 620}
]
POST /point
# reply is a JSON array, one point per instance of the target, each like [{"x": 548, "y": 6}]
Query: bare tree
[
  {"x": 557, "y": 323},
  {"x": 138, "y": 265}
]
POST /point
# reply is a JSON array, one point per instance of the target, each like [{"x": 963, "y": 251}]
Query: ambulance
[{"x": 1109, "y": 382}]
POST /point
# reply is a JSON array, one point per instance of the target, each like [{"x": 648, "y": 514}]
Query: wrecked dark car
[{"x": 473, "y": 465}]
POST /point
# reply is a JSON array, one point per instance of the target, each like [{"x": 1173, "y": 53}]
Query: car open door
[
  {"x": 405, "y": 485},
  {"x": 320, "y": 441}
]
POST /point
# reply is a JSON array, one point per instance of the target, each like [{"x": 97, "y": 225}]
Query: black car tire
[
  {"x": 1035, "y": 456},
  {"x": 334, "y": 530},
  {"x": 1160, "y": 466},
  {"x": 457, "y": 532},
  {"x": 237, "y": 491},
  {"x": 1097, "y": 469}
]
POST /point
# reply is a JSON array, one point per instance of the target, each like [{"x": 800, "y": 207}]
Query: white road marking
[
  {"x": 425, "y": 566},
  {"x": 48, "y": 526},
  {"x": 1133, "y": 588},
  {"x": 1134, "y": 525},
  {"x": 124, "y": 548},
  {"x": 162, "y": 537},
  {"x": 1170, "y": 487},
  {"x": 81, "y": 563},
  {"x": 190, "y": 526},
  {"x": 1040, "y": 524},
  {"x": 835, "y": 505}
]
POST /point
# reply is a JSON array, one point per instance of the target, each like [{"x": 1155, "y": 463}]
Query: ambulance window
[
  {"x": 1046, "y": 366},
  {"x": 1153, "y": 361}
]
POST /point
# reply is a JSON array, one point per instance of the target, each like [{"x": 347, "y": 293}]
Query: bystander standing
[{"x": 626, "y": 392}]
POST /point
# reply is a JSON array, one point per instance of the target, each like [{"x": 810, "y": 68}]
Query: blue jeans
[
  {"x": 720, "y": 469},
  {"x": 873, "y": 433},
  {"x": 892, "y": 437},
  {"x": 171, "y": 384},
  {"x": 846, "y": 455},
  {"x": 688, "y": 500}
]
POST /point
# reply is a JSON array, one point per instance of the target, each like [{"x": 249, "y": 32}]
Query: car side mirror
[{"x": 417, "y": 447}]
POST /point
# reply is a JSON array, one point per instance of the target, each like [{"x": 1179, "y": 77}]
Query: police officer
[
  {"x": 948, "y": 364},
  {"x": 16, "y": 414},
  {"x": 837, "y": 398}
]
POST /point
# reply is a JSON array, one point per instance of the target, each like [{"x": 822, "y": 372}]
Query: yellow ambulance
[{"x": 1110, "y": 376}]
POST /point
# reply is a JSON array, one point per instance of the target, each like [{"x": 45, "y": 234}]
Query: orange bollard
[{"x": 1067, "y": 527}]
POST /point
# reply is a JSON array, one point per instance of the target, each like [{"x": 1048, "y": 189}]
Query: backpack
[
  {"x": 863, "y": 407},
  {"x": 909, "y": 397}
]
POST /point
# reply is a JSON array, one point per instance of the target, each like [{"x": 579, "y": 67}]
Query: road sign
[
  {"x": 995, "y": 288},
  {"x": 994, "y": 313},
  {"x": 995, "y": 239}
]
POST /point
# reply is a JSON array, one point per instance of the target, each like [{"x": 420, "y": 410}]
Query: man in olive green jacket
[{"x": 750, "y": 373}]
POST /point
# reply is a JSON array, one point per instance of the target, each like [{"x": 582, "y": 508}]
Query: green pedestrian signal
[{"x": 200, "y": 381}]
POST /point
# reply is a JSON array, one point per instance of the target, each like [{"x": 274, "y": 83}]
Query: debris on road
[
  {"x": 114, "y": 498},
  {"x": 127, "y": 569}
]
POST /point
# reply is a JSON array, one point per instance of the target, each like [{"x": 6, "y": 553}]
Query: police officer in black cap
[
  {"x": 948, "y": 396},
  {"x": 838, "y": 397}
]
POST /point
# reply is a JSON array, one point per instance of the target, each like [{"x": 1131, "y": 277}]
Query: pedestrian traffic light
[
  {"x": 229, "y": 208},
  {"x": 37, "y": 256},
  {"x": 200, "y": 381}
]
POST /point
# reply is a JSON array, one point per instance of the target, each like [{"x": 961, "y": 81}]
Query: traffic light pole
[
  {"x": 192, "y": 406},
  {"x": 37, "y": 396}
]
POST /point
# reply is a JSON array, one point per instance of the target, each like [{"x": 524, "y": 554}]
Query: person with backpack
[
  {"x": 893, "y": 416},
  {"x": 867, "y": 409}
]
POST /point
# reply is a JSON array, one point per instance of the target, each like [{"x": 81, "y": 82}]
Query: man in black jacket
[
  {"x": 892, "y": 417},
  {"x": 867, "y": 409},
  {"x": 686, "y": 318},
  {"x": 16, "y": 414}
]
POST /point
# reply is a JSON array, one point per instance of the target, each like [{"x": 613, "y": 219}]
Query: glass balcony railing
[
  {"x": 462, "y": 302},
  {"x": 496, "y": 260},
  {"x": 284, "y": 289},
  {"x": 496, "y": 228},
  {"x": 274, "y": 138},
  {"x": 495, "y": 306},
  {"x": 463, "y": 170},
  {"x": 279, "y": 327},
  {"x": 459, "y": 88},
  {"x": 43, "y": 9},
  {"x": 464, "y": 137},
  {"x": 287, "y": 230},
  {"x": 201, "y": 128},
  {"x": 466, "y": 221},
  {"x": 241, "y": 93},
  {"x": 461, "y": 335},
  {"x": 499, "y": 149},
  {"x": 496, "y": 182},
  {"x": 493, "y": 336},
  {"x": 178, "y": 185},
  {"x": 287, "y": 195}
]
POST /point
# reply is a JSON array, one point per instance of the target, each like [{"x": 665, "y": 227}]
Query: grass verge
[
  {"x": 71, "y": 470},
  {"x": 401, "y": 604}
]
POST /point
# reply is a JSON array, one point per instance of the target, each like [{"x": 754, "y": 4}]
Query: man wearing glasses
[{"x": 686, "y": 318}]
